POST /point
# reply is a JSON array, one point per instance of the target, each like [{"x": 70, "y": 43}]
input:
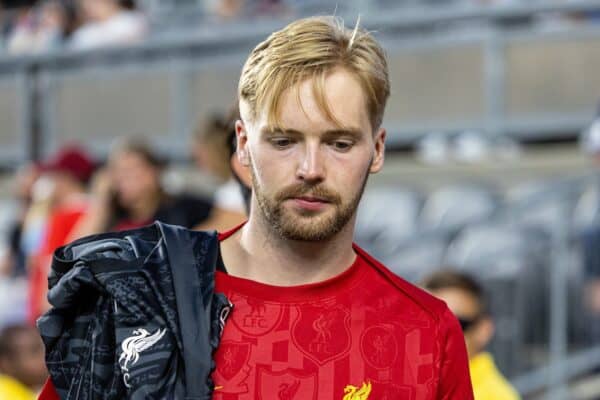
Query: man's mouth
[
  {"x": 312, "y": 199},
  {"x": 310, "y": 203}
]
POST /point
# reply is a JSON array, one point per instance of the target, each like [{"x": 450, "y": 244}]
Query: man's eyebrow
[
  {"x": 355, "y": 133},
  {"x": 277, "y": 130}
]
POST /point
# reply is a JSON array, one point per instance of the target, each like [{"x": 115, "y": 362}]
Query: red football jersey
[{"x": 364, "y": 334}]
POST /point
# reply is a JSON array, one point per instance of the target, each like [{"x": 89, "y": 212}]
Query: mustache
[{"x": 304, "y": 189}]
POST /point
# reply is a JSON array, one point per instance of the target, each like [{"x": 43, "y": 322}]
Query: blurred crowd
[
  {"x": 45, "y": 25},
  {"x": 36, "y": 26}
]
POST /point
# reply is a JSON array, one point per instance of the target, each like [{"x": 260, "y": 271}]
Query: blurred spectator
[
  {"x": 232, "y": 9},
  {"x": 41, "y": 29},
  {"x": 22, "y": 366},
  {"x": 107, "y": 23},
  {"x": 466, "y": 299},
  {"x": 68, "y": 173},
  {"x": 213, "y": 152},
  {"x": 129, "y": 194},
  {"x": 14, "y": 261}
]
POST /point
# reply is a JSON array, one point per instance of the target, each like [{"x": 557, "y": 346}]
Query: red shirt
[
  {"x": 364, "y": 334},
  {"x": 60, "y": 225}
]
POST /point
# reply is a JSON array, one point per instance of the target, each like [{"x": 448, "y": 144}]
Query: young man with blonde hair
[{"x": 297, "y": 311}]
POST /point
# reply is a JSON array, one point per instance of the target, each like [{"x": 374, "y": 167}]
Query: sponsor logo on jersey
[{"x": 357, "y": 393}]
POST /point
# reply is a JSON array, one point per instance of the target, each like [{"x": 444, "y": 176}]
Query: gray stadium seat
[
  {"x": 386, "y": 216},
  {"x": 418, "y": 259},
  {"x": 547, "y": 211},
  {"x": 587, "y": 209},
  {"x": 455, "y": 206},
  {"x": 513, "y": 265}
]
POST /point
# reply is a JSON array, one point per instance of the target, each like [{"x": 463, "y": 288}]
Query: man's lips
[
  {"x": 312, "y": 199},
  {"x": 310, "y": 203}
]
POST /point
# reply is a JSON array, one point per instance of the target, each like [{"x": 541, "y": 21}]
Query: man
[
  {"x": 465, "y": 297},
  {"x": 22, "y": 369},
  {"x": 314, "y": 316}
]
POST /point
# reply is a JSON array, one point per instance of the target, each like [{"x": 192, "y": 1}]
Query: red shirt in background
[{"x": 60, "y": 224}]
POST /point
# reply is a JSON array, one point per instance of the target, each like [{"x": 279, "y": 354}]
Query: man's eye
[
  {"x": 342, "y": 145},
  {"x": 281, "y": 143}
]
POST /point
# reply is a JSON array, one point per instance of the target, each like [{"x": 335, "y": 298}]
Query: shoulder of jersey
[{"x": 432, "y": 305}]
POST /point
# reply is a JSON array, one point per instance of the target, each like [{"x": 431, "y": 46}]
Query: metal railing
[{"x": 524, "y": 83}]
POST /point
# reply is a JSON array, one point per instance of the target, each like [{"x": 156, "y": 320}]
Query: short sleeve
[
  {"x": 48, "y": 392},
  {"x": 455, "y": 380}
]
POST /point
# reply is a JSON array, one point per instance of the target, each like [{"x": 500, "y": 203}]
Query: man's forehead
[{"x": 339, "y": 103}]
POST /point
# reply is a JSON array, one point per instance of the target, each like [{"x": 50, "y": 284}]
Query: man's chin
[{"x": 307, "y": 228}]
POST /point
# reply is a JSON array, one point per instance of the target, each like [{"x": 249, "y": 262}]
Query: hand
[{"x": 102, "y": 187}]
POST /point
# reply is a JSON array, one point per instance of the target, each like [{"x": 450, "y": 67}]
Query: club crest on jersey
[
  {"x": 288, "y": 384},
  {"x": 357, "y": 393},
  {"x": 379, "y": 347},
  {"x": 322, "y": 333},
  {"x": 255, "y": 317},
  {"x": 232, "y": 368},
  {"x": 131, "y": 348}
]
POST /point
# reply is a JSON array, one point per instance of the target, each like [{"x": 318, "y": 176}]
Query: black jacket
[{"x": 134, "y": 315}]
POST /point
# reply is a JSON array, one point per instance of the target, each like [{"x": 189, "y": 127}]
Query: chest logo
[
  {"x": 322, "y": 332},
  {"x": 357, "y": 393},
  {"x": 132, "y": 347},
  {"x": 254, "y": 317},
  {"x": 289, "y": 384}
]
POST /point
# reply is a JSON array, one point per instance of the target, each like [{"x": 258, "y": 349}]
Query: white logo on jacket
[{"x": 132, "y": 347}]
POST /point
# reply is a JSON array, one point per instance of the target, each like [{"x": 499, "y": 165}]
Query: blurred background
[{"x": 114, "y": 113}]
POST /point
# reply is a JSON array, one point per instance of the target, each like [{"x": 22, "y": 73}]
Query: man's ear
[
  {"x": 378, "y": 151},
  {"x": 242, "y": 143}
]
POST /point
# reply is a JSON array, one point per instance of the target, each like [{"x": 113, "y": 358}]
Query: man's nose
[{"x": 311, "y": 167}]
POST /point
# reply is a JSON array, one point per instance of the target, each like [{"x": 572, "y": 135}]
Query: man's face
[
  {"x": 26, "y": 362},
  {"x": 308, "y": 174}
]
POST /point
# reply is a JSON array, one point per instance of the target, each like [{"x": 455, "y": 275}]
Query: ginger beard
[{"x": 305, "y": 225}]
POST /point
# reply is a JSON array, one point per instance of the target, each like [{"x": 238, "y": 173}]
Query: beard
[{"x": 306, "y": 225}]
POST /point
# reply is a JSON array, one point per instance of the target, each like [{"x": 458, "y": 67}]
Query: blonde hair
[{"x": 311, "y": 48}]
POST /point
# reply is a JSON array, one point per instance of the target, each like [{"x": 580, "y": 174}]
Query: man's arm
[{"x": 455, "y": 380}]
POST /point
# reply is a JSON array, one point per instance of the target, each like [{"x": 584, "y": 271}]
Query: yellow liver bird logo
[{"x": 355, "y": 393}]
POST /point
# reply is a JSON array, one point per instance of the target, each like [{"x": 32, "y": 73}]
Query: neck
[{"x": 258, "y": 253}]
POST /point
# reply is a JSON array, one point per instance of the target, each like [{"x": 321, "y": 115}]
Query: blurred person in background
[
  {"x": 22, "y": 366},
  {"x": 108, "y": 23},
  {"x": 42, "y": 28},
  {"x": 213, "y": 151},
  {"x": 128, "y": 194},
  {"x": 466, "y": 299},
  {"x": 14, "y": 261},
  {"x": 233, "y": 9},
  {"x": 68, "y": 173}
]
